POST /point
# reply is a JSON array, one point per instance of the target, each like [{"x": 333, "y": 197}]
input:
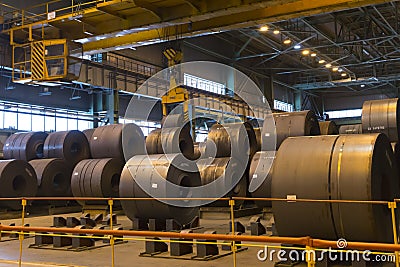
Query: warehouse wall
[{"x": 348, "y": 102}]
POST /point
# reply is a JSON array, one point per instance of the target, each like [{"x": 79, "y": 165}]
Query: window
[
  {"x": 146, "y": 126},
  {"x": 349, "y": 113},
  {"x": 203, "y": 84},
  {"x": 283, "y": 106}
]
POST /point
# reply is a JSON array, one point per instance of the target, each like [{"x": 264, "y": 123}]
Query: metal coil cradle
[
  {"x": 350, "y": 129},
  {"x": 347, "y": 167},
  {"x": 219, "y": 169},
  {"x": 381, "y": 116},
  {"x": 53, "y": 177},
  {"x": 121, "y": 141},
  {"x": 154, "y": 171},
  {"x": 261, "y": 168},
  {"x": 18, "y": 179},
  {"x": 24, "y": 146},
  {"x": 328, "y": 127},
  {"x": 72, "y": 146},
  {"x": 97, "y": 178}
]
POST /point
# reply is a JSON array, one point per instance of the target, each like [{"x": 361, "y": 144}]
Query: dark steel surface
[
  {"x": 347, "y": 167},
  {"x": 24, "y": 146},
  {"x": 217, "y": 169},
  {"x": 290, "y": 124},
  {"x": 350, "y": 129},
  {"x": 97, "y": 178},
  {"x": 53, "y": 177},
  {"x": 121, "y": 141},
  {"x": 257, "y": 132},
  {"x": 328, "y": 127},
  {"x": 381, "y": 116},
  {"x": 148, "y": 169},
  {"x": 17, "y": 179},
  {"x": 261, "y": 167},
  {"x": 72, "y": 146}
]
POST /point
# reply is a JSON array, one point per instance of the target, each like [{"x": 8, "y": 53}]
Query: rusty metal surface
[
  {"x": 381, "y": 116},
  {"x": 290, "y": 124},
  {"x": 155, "y": 171},
  {"x": 24, "y": 146},
  {"x": 121, "y": 141},
  {"x": 72, "y": 146},
  {"x": 328, "y": 127},
  {"x": 349, "y": 167},
  {"x": 17, "y": 179},
  {"x": 53, "y": 177},
  {"x": 350, "y": 129},
  {"x": 218, "y": 169},
  {"x": 97, "y": 178},
  {"x": 261, "y": 168}
]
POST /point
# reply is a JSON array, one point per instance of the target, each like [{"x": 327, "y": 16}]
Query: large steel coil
[
  {"x": 199, "y": 150},
  {"x": 257, "y": 132},
  {"x": 231, "y": 139},
  {"x": 261, "y": 168},
  {"x": 17, "y": 179},
  {"x": 347, "y": 167},
  {"x": 289, "y": 124},
  {"x": 72, "y": 146},
  {"x": 53, "y": 177},
  {"x": 154, "y": 171},
  {"x": 97, "y": 178},
  {"x": 219, "y": 169},
  {"x": 121, "y": 141},
  {"x": 328, "y": 128},
  {"x": 24, "y": 146},
  {"x": 170, "y": 141},
  {"x": 173, "y": 120},
  {"x": 381, "y": 116},
  {"x": 350, "y": 129}
]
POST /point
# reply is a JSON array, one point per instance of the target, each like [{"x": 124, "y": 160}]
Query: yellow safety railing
[{"x": 309, "y": 245}]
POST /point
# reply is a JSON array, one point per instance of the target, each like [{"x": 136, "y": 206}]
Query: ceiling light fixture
[
  {"x": 328, "y": 65},
  {"x": 276, "y": 32},
  {"x": 343, "y": 74},
  {"x": 313, "y": 54},
  {"x": 321, "y": 61},
  {"x": 362, "y": 85},
  {"x": 340, "y": 70},
  {"x": 287, "y": 41},
  {"x": 305, "y": 52},
  {"x": 264, "y": 29},
  {"x": 297, "y": 46},
  {"x": 335, "y": 69}
]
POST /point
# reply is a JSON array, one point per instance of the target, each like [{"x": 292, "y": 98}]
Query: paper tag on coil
[{"x": 155, "y": 186}]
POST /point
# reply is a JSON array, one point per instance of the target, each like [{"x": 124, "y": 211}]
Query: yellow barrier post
[
  {"x": 21, "y": 234},
  {"x": 232, "y": 205},
  {"x": 310, "y": 256},
  {"x": 111, "y": 203},
  {"x": 392, "y": 206}
]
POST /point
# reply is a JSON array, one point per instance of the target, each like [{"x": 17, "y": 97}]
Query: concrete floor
[{"x": 126, "y": 254}]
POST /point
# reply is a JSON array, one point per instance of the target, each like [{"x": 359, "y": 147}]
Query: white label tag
[
  {"x": 267, "y": 134},
  {"x": 77, "y": 173},
  {"x": 254, "y": 176},
  {"x": 51, "y": 15},
  {"x": 94, "y": 137},
  {"x": 154, "y": 186},
  {"x": 292, "y": 198}
]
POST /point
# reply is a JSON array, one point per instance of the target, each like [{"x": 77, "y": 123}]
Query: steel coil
[
  {"x": 381, "y": 116},
  {"x": 53, "y": 177},
  {"x": 170, "y": 141},
  {"x": 218, "y": 169},
  {"x": 17, "y": 179},
  {"x": 97, "y": 178},
  {"x": 257, "y": 132},
  {"x": 24, "y": 146},
  {"x": 290, "y": 124},
  {"x": 350, "y": 129},
  {"x": 154, "y": 171},
  {"x": 231, "y": 139},
  {"x": 261, "y": 168},
  {"x": 72, "y": 146},
  {"x": 173, "y": 120},
  {"x": 346, "y": 167},
  {"x": 121, "y": 141},
  {"x": 328, "y": 128}
]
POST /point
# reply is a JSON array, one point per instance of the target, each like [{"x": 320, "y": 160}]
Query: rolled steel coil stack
[
  {"x": 328, "y": 127},
  {"x": 350, "y": 129},
  {"x": 110, "y": 147}
]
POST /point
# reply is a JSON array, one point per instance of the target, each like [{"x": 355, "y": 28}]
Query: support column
[{"x": 298, "y": 100}]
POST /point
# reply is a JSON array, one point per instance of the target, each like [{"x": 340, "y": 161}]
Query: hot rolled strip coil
[
  {"x": 381, "y": 116},
  {"x": 350, "y": 129},
  {"x": 290, "y": 124},
  {"x": 121, "y": 141},
  {"x": 25, "y": 146},
  {"x": 199, "y": 150},
  {"x": 236, "y": 139},
  {"x": 328, "y": 127},
  {"x": 219, "y": 169},
  {"x": 261, "y": 167},
  {"x": 72, "y": 146},
  {"x": 170, "y": 141},
  {"x": 53, "y": 177},
  {"x": 17, "y": 179},
  {"x": 96, "y": 178},
  {"x": 154, "y": 171},
  {"x": 346, "y": 167}
]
